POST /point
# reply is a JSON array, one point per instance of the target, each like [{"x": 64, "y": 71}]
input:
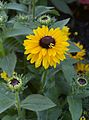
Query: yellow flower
[
  {"x": 82, "y": 68},
  {"x": 4, "y": 75},
  {"x": 46, "y": 47},
  {"x": 65, "y": 29},
  {"x": 79, "y": 55}
]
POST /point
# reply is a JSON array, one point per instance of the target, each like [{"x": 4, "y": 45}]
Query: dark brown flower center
[
  {"x": 80, "y": 71},
  {"x": 14, "y": 82},
  {"x": 82, "y": 81},
  {"x": 47, "y": 42},
  {"x": 74, "y": 53}
]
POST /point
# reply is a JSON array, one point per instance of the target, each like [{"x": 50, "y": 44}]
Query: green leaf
[
  {"x": 68, "y": 70},
  {"x": 42, "y": 115},
  {"x": 18, "y": 32},
  {"x": 54, "y": 113},
  {"x": 42, "y": 10},
  {"x": 8, "y": 63},
  {"x": 16, "y": 6},
  {"x": 11, "y": 44},
  {"x": 62, "y": 6},
  {"x": 73, "y": 48},
  {"x": 6, "y": 99},
  {"x": 54, "y": 12},
  {"x": 75, "y": 107},
  {"x": 37, "y": 102},
  {"x": 60, "y": 23}
]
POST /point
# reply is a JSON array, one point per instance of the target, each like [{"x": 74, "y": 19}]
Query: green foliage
[
  {"x": 62, "y": 6},
  {"x": 42, "y": 10},
  {"x": 51, "y": 94},
  {"x": 8, "y": 63},
  {"x": 37, "y": 102},
  {"x": 75, "y": 107},
  {"x": 6, "y": 99},
  {"x": 16, "y": 6},
  {"x": 73, "y": 48},
  {"x": 7, "y": 117},
  {"x": 68, "y": 70},
  {"x": 18, "y": 32},
  {"x": 60, "y": 23}
]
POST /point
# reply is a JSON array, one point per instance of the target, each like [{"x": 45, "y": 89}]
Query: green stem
[
  {"x": 38, "y": 116},
  {"x": 4, "y": 28},
  {"x": 33, "y": 9},
  {"x": 44, "y": 77},
  {"x": 2, "y": 51},
  {"x": 18, "y": 104}
]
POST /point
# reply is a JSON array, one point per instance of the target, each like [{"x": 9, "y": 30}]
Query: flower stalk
[
  {"x": 33, "y": 9},
  {"x": 18, "y": 105}
]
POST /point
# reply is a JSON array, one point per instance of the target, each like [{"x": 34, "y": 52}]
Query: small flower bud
[
  {"x": 45, "y": 20},
  {"x": 15, "y": 83},
  {"x": 22, "y": 18}
]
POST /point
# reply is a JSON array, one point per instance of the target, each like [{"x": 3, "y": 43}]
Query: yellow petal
[
  {"x": 29, "y": 56},
  {"x": 38, "y": 63}
]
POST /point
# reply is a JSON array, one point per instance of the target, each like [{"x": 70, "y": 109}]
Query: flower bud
[
  {"x": 44, "y": 19},
  {"x": 15, "y": 83},
  {"x": 22, "y": 18}
]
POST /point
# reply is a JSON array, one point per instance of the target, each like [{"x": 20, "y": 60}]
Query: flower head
[
  {"x": 46, "y": 47},
  {"x": 78, "y": 55},
  {"x": 82, "y": 68}
]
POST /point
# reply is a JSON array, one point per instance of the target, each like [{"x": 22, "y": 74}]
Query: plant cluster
[{"x": 44, "y": 73}]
